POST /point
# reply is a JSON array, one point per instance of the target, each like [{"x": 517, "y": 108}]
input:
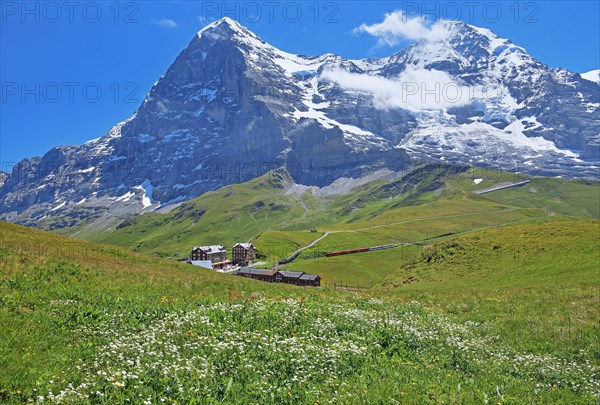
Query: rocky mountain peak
[
  {"x": 454, "y": 45},
  {"x": 226, "y": 24},
  {"x": 232, "y": 107},
  {"x": 227, "y": 29}
]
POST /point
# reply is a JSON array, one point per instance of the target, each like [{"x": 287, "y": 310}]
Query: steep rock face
[
  {"x": 319, "y": 156},
  {"x": 232, "y": 107},
  {"x": 200, "y": 122},
  {"x": 3, "y": 178}
]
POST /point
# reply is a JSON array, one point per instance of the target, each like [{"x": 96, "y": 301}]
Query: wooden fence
[{"x": 345, "y": 286}]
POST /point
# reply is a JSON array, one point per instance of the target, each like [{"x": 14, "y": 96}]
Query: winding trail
[{"x": 291, "y": 257}]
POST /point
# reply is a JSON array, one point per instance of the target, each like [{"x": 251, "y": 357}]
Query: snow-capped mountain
[{"x": 232, "y": 107}]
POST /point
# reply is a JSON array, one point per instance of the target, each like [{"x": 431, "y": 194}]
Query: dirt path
[
  {"x": 501, "y": 187},
  {"x": 301, "y": 201},
  {"x": 291, "y": 257},
  {"x": 311, "y": 244}
]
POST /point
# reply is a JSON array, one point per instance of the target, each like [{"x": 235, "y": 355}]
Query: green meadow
[{"x": 90, "y": 323}]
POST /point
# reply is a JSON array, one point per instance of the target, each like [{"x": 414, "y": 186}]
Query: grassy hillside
[
  {"x": 537, "y": 284},
  {"x": 537, "y": 254},
  {"x": 88, "y": 323},
  {"x": 428, "y": 204},
  {"x": 52, "y": 286},
  {"x": 429, "y": 264},
  {"x": 439, "y": 197},
  {"x": 453, "y": 210},
  {"x": 577, "y": 198},
  {"x": 236, "y": 213}
]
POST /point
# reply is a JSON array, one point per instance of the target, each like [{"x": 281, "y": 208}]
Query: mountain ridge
[{"x": 232, "y": 107}]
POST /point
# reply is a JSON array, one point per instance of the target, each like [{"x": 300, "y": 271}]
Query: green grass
[
  {"x": 423, "y": 206},
  {"x": 401, "y": 227},
  {"x": 537, "y": 283},
  {"x": 90, "y": 323},
  {"x": 454, "y": 211},
  {"x": 361, "y": 269},
  {"x": 496, "y": 255},
  {"x": 540, "y": 254},
  {"x": 577, "y": 198}
]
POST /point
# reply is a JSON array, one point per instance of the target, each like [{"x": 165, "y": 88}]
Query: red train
[
  {"x": 351, "y": 251},
  {"x": 346, "y": 252}
]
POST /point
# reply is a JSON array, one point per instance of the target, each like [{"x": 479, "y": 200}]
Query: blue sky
[{"x": 69, "y": 73}]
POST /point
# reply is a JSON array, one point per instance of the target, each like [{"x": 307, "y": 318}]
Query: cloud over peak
[
  {"x": 396, "y": 26},
  {"x": 167, "y": 23},
  {"x": 415, "y": 89}
]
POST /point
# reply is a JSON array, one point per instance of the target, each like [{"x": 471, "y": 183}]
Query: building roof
[
  {"x": 291, "y": 274},
  {"x": 253, "y": 271},
  {"x": 207, "y": 264},
  {"x": 210, "y": 248},
  {"x": 246, "y": 246},
  {"x": 310, "y": 277}
]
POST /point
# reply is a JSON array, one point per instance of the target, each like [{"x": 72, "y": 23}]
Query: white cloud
[
  {"x": 396, "y": 26},
  {"x": 167, "y": 23},
  {"x": 204, "y": 20},
  {"x": 415, "y": 89}
]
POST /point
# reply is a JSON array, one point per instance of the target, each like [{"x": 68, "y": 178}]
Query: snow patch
[
  {"x": 291, "y": 63},
  {"x": 59, "y": 206},
  {"x": 89, "y": 169},
  {"x": 478, "y": 138},
  {"x": 536, "y": 143},
  {"x": 493, "y": 39},
  {"x": 125, "y": 197},
  {"x": 360, "y": 138},
  {"x": 592, "y": 75},
  {"x": 205, "y": 94},
  {"x": 146, "y": 189}
]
